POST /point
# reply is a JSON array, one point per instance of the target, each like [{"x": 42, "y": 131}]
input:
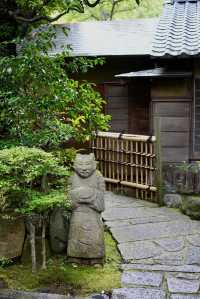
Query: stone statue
[{"x": 86, "y": 233}]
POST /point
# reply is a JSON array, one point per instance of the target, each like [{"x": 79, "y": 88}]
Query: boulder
[
  {"x": 26, "y": 255},
  {"x": 172, "y": 200},
  {"x": 58, "y": 230},
  {"x": 12, "y": 234},
  {"x": 191, "y": 206}
]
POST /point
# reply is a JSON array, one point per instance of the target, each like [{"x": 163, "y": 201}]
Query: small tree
[
  {"x": 30, "y": 180},
  {"x": 40, "y": 104}
]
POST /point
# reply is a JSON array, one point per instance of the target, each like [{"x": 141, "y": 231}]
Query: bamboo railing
[{"x": 127, "y": 162}]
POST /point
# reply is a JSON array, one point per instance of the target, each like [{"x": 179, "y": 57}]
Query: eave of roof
[
  {"x": 157, "y": 72},
  {"x": 178, "y": 31}
]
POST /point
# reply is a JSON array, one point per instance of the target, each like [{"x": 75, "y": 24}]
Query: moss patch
[{"x": 66, "y": 278}]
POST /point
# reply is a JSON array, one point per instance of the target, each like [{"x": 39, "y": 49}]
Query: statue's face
[{"x": 85, "y": 165}]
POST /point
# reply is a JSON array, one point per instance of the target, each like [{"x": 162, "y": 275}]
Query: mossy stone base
[
  {"x": 12, "y": 234},
  {"x": 88, "y": 262},
  {"x": 191, "y": 206}
]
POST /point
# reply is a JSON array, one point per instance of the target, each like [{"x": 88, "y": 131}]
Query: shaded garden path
[{"x": 160, "y": 248}]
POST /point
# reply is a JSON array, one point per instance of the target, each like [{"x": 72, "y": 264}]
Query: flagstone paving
[{"x": 160, "y": 248}]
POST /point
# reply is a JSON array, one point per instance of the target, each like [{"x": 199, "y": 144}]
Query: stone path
[{"x": 160, "y": 248}]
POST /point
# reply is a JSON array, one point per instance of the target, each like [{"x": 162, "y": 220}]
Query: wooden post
[
  {"x": 159, "y": 172},
  {"x": 32, "y": 243},
  {"x": 44, "y": 258}
]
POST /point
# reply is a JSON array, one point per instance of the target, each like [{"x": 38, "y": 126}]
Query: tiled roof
[
  {"x": 178, "y": 31},
  {"x": 108, "y": 38}
]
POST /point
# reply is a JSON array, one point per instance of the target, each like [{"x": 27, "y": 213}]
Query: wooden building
[{"x": 152, "y": 71}]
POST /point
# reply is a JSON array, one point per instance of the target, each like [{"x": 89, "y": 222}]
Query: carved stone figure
[{"x": 86, "y": 233}]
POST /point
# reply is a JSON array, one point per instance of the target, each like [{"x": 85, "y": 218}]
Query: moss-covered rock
[
  {"x": 12, "y": 234},
  {"x": 191, "y": 206},
  {"x": 58, "y": 230}
]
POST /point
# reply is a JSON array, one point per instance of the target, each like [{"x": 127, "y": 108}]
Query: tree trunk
[
  {"x": 32, "y": 243},
  {"x": 44, "y": 184},
  {"x": 44, "y": 264}
]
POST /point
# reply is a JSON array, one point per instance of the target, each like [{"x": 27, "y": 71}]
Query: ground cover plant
[{"x": 60, "y": 277}]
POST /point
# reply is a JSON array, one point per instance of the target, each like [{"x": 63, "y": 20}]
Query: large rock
[
  {"x": 12, "y": 234},
  {"x": 58, "y": 230},
  {"x": 172, "y": 200},
  {"x": 191, "y": 206},
  {"x": 183, "y": 178}
]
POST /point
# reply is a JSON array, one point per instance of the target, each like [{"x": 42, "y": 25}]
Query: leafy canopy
[
  {"x": 116, "y": 9},
  {"x": 40, "y": 104},
  {"x": 29, "y": 178}
]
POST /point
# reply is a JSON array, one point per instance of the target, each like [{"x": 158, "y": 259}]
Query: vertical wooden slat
[
  {"x": 128, "y": 159},
  {"x": 137, "y": 168}
]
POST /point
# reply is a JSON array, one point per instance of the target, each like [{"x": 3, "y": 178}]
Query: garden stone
[
  {"x": 181, "y": 296},
  {"x": 58, "y": 230},
  {"x": 138, "y": 293},
  {"x": 172, "y": 200},
  {"x": 12, "y": 234},
  {"x": 86, "y": 233},
  {"x": 176, "y": 285},
  {"x": 13, "y": 294},
  {"x": 193, "y": 255},
  {"x": 194, "y": 240},
  {"x": 142, "y": 278},
  {"x": 191, "y": 206}
]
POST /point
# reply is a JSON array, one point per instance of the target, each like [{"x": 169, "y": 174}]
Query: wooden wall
[
  {"x": 139, "y": 107},
  {"x": 172, "y": 103},
  {"x": 116, "y": 95},
  {"x": 128, "y": 104}
]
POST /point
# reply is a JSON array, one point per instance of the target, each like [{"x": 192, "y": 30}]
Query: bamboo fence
[{"x": 127, "y": 162}]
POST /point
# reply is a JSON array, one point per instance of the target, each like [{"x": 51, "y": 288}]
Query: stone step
[
  {"x": 13, "y": 294},
  {"x": 186, "y": 296},
  {"x": 183, "y": 285},
  {"x": 164, "y": 268},
  {"x": 138, "y": 293},
  {"x": 152, "y": 279}
]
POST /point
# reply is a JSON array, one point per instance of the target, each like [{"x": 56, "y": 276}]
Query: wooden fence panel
[{"x": 127, "y": 162}]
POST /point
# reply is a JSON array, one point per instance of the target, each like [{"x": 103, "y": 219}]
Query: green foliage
[
  {"x": 40, "y": 104},
  {"x": 4, "y": 262},
  {"x": 40, "y": 203},
  {"x": 125, "y": 9},
  {"x": 66, "y": 156},
  {"x": 26, "y": 176}
]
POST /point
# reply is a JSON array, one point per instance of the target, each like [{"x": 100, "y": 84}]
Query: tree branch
[
  {"x": 86, "y": 2},
  {"x": 114, "y": 3},
  {"x": 36, "y": 19}
]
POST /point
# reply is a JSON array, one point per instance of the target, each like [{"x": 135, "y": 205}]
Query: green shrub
[
  {"x": 66, "y": 156},
  {"x": 4, "y": 262},
  {"x": 26, "y": 171}
]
